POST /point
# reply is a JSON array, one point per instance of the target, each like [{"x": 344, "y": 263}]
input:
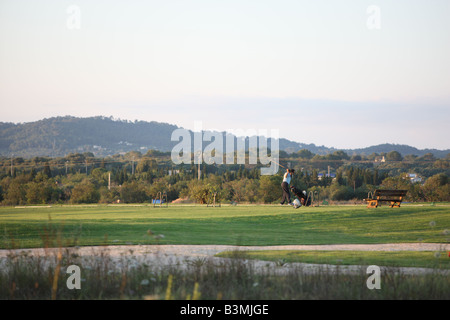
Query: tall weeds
[
  {"x": 42, "y": 275},
  {"x": 25, "y": 276}
]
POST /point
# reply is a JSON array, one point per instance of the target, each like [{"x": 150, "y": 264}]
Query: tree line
[{"x": 139, "y": 178}]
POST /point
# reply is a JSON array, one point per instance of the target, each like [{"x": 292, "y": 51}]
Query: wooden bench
[{"x": 395, "y": 198}]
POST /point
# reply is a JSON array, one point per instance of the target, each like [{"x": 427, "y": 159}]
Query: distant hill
[
  {"x": 62, "y": 135},
  {"x": 401, "y": 148},
  {"x": 105, "y": 136}
]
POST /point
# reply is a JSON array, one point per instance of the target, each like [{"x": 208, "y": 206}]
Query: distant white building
[
  {"x": 413, "y": 177},
  {"x": 331, "y": 175},
  {"x": 380, "y": 159}
]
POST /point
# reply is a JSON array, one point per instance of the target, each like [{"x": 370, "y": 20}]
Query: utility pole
[
  {"x": 200, "y": 159},
  {"x": 66, "y": 166},
  {"x": 109, "y": 180},
  {"x": 86, "y": 167}
]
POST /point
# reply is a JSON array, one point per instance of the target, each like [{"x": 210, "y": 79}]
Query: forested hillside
[
  {"x": 103, "y": 136},
  {"x": 62, "y": 135}
]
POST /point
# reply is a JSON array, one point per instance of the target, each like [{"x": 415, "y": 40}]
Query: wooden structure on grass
[
  {"x": 161, "y": 198},
  {"x": 213, "y": 200}
]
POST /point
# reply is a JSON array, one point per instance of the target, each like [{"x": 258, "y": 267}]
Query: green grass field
[
  {"x": 416, "y": 259},
  {"x": 27, "y": 227}
]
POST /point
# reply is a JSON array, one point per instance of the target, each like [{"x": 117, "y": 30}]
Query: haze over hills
[{"x": 103, "y": 136}]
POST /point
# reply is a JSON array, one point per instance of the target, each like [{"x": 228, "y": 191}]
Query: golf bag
[{"x": 302, "y": 196}]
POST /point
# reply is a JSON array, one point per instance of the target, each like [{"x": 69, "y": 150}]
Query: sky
[{"x": 344, "y": 74}]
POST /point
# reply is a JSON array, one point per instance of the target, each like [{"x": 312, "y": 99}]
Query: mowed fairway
[{"x": 27, "y": 227}]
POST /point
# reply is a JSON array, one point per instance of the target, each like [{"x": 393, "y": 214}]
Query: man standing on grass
[{"x": 285, "y": 186}]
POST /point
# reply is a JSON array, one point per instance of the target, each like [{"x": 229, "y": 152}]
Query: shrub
[
  {"x": 85, "y": 192},
  {"x": 133, "y": 192}
]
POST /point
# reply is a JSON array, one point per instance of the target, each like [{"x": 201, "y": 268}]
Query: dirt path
[
  {"x": 163, "y": 256},
  {"x": 211, "y": 250}
]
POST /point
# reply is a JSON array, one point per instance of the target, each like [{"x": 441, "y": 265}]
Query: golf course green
[{"x": 262, "y": 225}]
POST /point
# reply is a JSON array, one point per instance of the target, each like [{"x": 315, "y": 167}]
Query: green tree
[
  {"x": 339, "y": 177},
  {"x": 143, "y": 165},
  {"x": 394, "y": 156},
  {"x": 34, "y": 193},
  {"x": 42, "y": 192},
  {"x": 441, "y": 164},
  {"x": 15, "y": 194},
  {"x": 158, "y": 185},
  {"x": 133, "y": 192},
  {"x": 109, "y": 195},
  {"x": 85, "y": 192},
  {"x": 47, "y": 170},
  {"x": 340, "y": 155},
  {"x": 202, "y": 191},
  {"x": 410, "y": 157},
  {"x": 270, "y": 188},
  {"x": 100, "y": 176},
  {"x": 243, "y": 190},
  {"x": 341, "y": 193},
  {"x": 199, "y": 191},
  {"x": 427, "y": 157},
  {"x": 396, "y": 183},
  {"x": 437, "y": 188},
  {"x": 304, "y": 154}
]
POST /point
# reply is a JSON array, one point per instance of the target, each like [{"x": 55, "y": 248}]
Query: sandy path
[
  {"x": 163, "y": 256},
  {"x": 193, "y": 251}
]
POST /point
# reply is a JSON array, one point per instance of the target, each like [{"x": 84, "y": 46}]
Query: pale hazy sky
[{"x": 315, "y": 70}]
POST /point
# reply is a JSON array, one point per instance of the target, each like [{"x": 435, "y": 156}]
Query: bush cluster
[{"x": 137, "y": 178}]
